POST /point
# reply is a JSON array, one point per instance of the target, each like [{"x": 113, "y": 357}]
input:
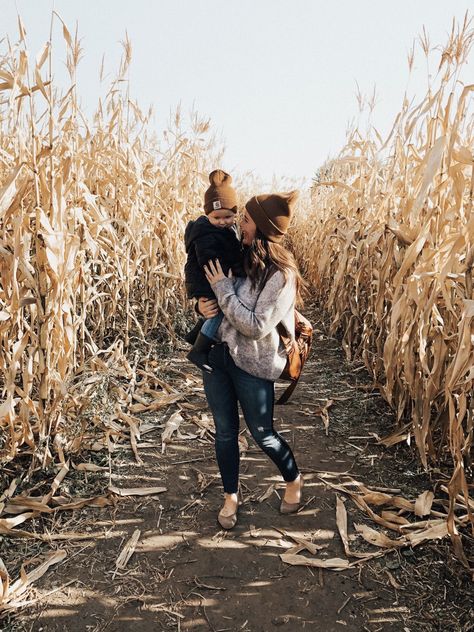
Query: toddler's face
[{"x": 223, "y": 218}]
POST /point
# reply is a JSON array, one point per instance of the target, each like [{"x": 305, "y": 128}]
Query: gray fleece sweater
[{"x": 250, "y": 320}]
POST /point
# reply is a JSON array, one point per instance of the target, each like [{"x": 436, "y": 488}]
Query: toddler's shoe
[
  {"x": 193, "y": 333},
  {"x": 199, "y": 352}
]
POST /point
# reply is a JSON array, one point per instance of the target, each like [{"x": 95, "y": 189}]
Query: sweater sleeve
[{"x": 274, "y": 301}]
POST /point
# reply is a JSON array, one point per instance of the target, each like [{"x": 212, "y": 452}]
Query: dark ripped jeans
[{"x": 227, "y": 386}]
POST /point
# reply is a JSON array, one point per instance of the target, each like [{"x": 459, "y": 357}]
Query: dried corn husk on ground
[
  {"x": 12, "y": 594},
  {"x": 389, "y": 248},
  {"x": 92, "y": 214},
  {"x": 396, "y": 520}
]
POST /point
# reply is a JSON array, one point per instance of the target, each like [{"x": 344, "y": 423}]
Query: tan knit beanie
[
  {"x": 272, "y": 213},
  {"x": 220, "y": 194}
]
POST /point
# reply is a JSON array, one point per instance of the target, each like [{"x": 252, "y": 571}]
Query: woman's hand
[
  {"x": 214, "y": 272},
  {"x": 208, "y": 307}
]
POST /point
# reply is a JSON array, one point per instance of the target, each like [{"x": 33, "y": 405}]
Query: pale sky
[{"x": 277, "y": 78}]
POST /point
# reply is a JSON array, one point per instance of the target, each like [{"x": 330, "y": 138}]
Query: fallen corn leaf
[
  {"x": 323, "y": 412},
  {"x": 88, "y": 467},
  {"x": 334, "y": 563},
  {"x": 171, "y": 426},
  {"x": 21, "y": 584},
  {"x": 127, "y": 551},
  {"x": 378, "y": 539},
  {"x": 423, "y": 504},
  {"x": 137, "y": 491},
  {"x": 434, "y": 532},
  {"x": 267, "y": 493}
]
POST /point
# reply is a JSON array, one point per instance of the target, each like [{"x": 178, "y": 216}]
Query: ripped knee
[{"x": 266, "y": 439}]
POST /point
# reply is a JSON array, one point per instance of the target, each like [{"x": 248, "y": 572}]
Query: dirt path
[{"x": 187, "y": 574}]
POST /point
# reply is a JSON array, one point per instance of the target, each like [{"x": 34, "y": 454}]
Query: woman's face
[{"x": 248, "y": 228}]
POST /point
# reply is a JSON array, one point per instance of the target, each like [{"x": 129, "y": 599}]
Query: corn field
[
  {"x": 91, "y": 218},
  {"x": 92, "y": 213},
  {"x": 388, "y": 246}
]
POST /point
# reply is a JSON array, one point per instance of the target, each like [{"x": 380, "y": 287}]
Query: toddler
[{"x": 211, "y": 236}]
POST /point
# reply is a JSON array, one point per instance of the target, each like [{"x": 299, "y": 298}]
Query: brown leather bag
[{"x": 297, "y": 350}]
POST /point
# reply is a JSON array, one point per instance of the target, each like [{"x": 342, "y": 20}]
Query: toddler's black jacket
[{"x": 205, "y": 241}]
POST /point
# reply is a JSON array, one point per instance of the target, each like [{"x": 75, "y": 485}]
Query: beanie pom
[
  {"x": 292, "y": 196},
  {"x": 220, "y": 194},
  {"x": 219, "y": 177}
]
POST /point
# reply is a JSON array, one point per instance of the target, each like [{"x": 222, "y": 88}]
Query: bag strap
[
  {"x": 285, "y": 336},
  {"x": 285, "y": 396},
  {"x": 287, "y": 339},
  {"x": 282, "y": 330}
]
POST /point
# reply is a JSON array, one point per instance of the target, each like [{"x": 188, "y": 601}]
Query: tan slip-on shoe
[
  {"x": 289, "y": 508},
  {"x": 227, "y": 522}
]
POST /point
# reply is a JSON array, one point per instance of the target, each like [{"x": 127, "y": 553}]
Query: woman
[{"x": 250, "y": 356}]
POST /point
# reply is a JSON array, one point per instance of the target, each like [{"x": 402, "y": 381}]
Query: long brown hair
[{"x": 263, "y": 258}]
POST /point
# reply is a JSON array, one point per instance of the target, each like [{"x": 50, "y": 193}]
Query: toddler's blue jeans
[
  {"x": 211, "y": 326},
  {"x": 225, "y": 388}
]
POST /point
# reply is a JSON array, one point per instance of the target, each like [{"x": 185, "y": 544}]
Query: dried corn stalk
[
  {"x": 388, "y": 245},
  {"x": 92, "y": 214}
]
